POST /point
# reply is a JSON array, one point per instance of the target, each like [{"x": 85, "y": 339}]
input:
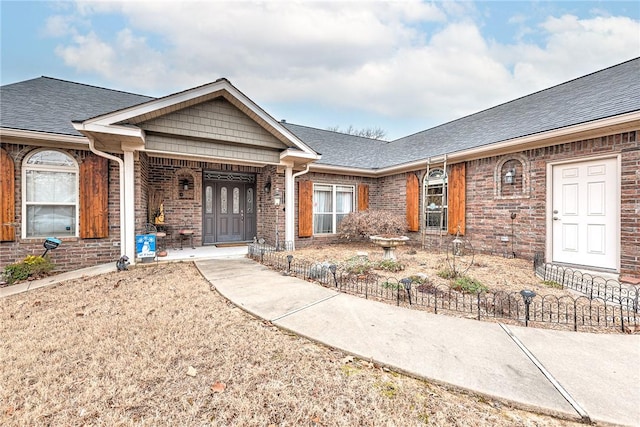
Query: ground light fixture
[
  {"x": 527, "y": 296},
  {"x": 333, "y": 268},
  {"x": 289, "y": 259},
  {"x": 406, "y": 282},
  {"x": 50, "y": 243}
]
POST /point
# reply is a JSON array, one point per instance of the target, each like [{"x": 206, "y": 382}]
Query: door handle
[
  {"x": 241, "y": 215},
  {"x": 555, "y": 218}
]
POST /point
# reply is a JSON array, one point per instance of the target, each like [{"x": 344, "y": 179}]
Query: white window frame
[
  {"x": 26, "y": 167},
  {"x": 441, "y": 182},
  {"x": 333, "y": 212}
]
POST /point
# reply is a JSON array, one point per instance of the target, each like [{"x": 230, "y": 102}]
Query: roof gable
[{"x": 119, "y": 121}]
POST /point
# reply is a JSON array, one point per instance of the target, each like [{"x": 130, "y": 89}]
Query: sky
[{"x": 403, "y": 66}]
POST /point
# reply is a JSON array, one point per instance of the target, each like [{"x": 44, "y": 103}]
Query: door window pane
[
  {"x": 208, "y": 197},
  {"x": 236, "y": 200},
  {"x": 223, "y": 200}
]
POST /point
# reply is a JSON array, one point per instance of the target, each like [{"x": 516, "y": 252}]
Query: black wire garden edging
[{"x": 604, "y": 305}]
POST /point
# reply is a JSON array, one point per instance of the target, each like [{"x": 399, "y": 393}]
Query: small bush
[
  {"x": 390, "y": 265},
  {"x": 31, "y": 266},
  {"x": 468, "y": 285},
  {"x": 446, "y": 273},
  {"x": 552, "y": 284},
  {"x": 361, "y": 225},
  {"x": 357, "y": 265},
  {"x": 391, "y": 285}
]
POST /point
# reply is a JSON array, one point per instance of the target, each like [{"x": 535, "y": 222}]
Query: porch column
[
  {"x": 129, "y": 206},
  {"x": 289, "y": 215}
]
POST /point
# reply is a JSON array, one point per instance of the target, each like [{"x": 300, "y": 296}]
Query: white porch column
[
  {"x": 129, "y": 206},
  {"x": 289, "y": 216}
]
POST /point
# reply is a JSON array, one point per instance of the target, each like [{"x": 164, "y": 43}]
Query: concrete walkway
[
  {"x": 574, "y": 375},
  {"x": 571, "y": 374}
]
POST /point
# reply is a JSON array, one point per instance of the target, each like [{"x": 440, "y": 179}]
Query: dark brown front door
[{"x": 229, "y": 211}]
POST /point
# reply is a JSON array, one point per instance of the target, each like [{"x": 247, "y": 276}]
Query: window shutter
[
  {"x": 413, "y": 203},
  {"x": 456, "y": 202},
  {"x": 94, "y": 203},
  {"x": 7, "y": 198},
  {"x": 305, "y": 209},
  {"x": 363, "y": 197}
]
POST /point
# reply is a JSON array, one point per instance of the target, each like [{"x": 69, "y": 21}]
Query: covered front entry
[
  {"x": 585, "y": 213},
  {"x": 229, "y": 207}
]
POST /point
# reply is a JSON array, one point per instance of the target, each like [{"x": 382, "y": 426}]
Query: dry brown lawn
[{"x": 158, "y": 346}]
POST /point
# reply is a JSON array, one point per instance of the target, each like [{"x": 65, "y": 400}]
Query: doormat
[{"x": 230, "y": 244}]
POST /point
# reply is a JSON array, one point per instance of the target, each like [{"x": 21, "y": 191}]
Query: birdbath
[{"x": 389, "y": 244}]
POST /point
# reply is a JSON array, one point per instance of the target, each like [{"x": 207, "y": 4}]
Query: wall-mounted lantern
[
  {"x": 277, "y": 198},
  {"x": 184, "y": 184},
  {"x": 267, "y": 186},
  {"x": 510, "y": 176}
]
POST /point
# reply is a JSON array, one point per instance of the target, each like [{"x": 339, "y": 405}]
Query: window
[
  {"x": 331, "y": 203},
  {"x": 436, "y": 200},
  {"x": 50, "y": 194}
]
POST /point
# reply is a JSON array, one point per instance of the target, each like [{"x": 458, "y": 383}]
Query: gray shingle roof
[
  {"x": 50, "y": 105},
  {"x": 606, "y": 93},
  {"x": 609, "y": 92},
  {"x": 339, "y": 149}
]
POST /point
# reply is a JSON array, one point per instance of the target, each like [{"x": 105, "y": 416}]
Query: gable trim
[{"x": 108, "y": 123}]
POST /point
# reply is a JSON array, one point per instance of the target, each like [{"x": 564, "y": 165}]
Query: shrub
[
  {"x": 446, "y": 273},
  {"x": 31, "y": 266},
  {"x": 468, "y": 285},
  {"x": 390, "y": 265},
  {"x": 552, "y": 284},
  {"x": 357, "y": 265},
  {"x": 361, "y": 225}
]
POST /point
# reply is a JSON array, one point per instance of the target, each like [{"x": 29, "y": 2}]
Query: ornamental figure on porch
[{"x": 160, "y": 216}]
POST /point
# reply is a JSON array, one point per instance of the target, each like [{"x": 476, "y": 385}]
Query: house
[{"x": 556, "y": 172}]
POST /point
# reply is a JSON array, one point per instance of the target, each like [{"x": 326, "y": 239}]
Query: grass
[{"x": 119, "y": 349}]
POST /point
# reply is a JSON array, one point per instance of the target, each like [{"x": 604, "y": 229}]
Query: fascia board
[
  {"x": 288, "y": 153},
  {"x": 589, "y": 130},
  {"x": 594, "y": 129},
  {"x": 44, "y": 136},
  {"x": 110, "y": 129}
]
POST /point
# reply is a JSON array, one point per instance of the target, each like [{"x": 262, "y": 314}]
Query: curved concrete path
[
  {"x": 574, "y": 375},
  {"x": 577, "y": 375}
]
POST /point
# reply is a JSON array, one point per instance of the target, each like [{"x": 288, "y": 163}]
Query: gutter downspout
[
  {"x": 289, "y": 230},
  {"x": 123, "y": 234}
]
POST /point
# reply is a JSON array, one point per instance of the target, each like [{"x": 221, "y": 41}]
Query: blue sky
[{"x": 402, "y": 66}]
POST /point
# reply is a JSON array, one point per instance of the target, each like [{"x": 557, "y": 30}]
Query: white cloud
[{"x": 394, "y": 59}]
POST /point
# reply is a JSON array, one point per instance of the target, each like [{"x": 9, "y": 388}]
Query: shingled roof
[
  {"x": 606, "y": 93},
  {"x": 50, "y": 105}
]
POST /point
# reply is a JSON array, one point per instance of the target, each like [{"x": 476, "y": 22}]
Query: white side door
[{"x": 585, "y": 213}]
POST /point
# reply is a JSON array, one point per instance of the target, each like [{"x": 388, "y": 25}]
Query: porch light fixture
[
  {"x": 185, "y": 184},
  {"x": 267, "y": 186},
  {"x": 510, "y": 177},
  {"x": 277, "y": 198}
]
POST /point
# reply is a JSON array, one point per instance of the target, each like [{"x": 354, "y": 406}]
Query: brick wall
[
  {"x": 74, "y": 252},
  {"x": 490, "y": 204}
]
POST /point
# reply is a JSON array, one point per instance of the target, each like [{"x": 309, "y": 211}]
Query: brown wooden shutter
[
  {"x": 94, "y": 202},
  {"x": 7, "y": 198},
  {"x": 305, "y": 209},
  {"x": 413, "y": 203},
  {"x": 363, "y": 197},
  {"x": 456, "y": 202}
]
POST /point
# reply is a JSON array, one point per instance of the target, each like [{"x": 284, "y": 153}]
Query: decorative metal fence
[
  {"x": 597, "y": 311},
  {"x": 593, "y": 287}
]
